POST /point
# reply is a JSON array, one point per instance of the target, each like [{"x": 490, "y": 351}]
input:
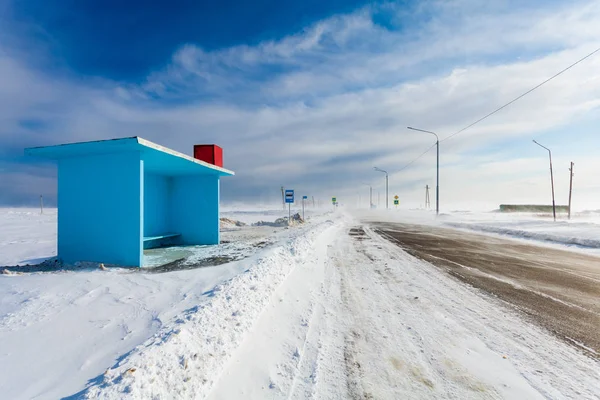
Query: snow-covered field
[
  {"x": 316, "y": 313},
  {"x": 26, "y": 236},
  {"x": 581, "y": 233}
]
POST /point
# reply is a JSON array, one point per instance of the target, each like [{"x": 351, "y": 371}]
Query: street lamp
[
  {"x": 437, "y": 188},
  {"x": 386, "y": 186},
  {"x": 551, "y": 179},
  {"x": 370, "y": 194}
]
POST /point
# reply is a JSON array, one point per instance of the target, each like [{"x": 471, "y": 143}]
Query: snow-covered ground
[
  {"x": 317, "y": 313},
  {"x": 581, "y": 233},
  {"x": 82, "y": 322},
  {"x": 26, "y": 236}
]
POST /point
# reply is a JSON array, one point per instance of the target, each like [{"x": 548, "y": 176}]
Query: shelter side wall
[
  {"x": 157, "y": 195},
  {"x": 100, "y": 209},
  {"x": 195, "y": 208}
]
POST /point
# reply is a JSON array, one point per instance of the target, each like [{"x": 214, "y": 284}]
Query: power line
[
  {"x": 413, "y": 161},
  {"x": 503, "y": 107},
  {"x": 522, "y": 95}
]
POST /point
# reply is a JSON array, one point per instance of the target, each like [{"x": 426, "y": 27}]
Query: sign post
[
  {"x": 303, "y": 198},
  {"x": 289, "y": 198},
  {"x": 396, "y": 201}
]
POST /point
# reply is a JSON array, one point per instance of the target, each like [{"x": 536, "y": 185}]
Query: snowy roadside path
[{"x": 279, "y": 359}]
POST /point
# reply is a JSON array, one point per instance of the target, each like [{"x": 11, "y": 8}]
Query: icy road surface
[
  {"x": 341, "y": 312},
  {"x": 558, "y": 289}
]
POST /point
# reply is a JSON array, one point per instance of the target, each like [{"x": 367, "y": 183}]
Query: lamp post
[
  {"x": 551, "y": 179},
  {"x": 386, "y": 186},
  {"x": 370, "y": 194},
  {"x": 437, "y": 188}
]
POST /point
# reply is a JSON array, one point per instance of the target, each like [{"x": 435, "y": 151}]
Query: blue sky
[
  {"x": 125, "y": 41},
  {"x": 309, "y": 94}
]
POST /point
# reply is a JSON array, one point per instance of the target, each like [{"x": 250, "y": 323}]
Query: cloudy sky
[{"x": 312, "y": 94}]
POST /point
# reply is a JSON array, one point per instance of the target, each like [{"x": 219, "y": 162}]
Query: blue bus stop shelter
[{"x": 118, "y": 197}]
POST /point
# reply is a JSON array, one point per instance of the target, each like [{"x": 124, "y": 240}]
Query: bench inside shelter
[{"x": 168, "y": 239}]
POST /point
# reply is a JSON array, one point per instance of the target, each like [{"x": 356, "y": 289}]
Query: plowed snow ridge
[{"x": 185, "y": 359}]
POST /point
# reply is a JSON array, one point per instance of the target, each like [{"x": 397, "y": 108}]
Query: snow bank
[
  {"x": 228, "y": 223},
  {"x": 282, "y": 222},
  {"x": 250, "y": 217},
  {"x": 583, "y": 235},
  {"x": 185, "y": 358}
]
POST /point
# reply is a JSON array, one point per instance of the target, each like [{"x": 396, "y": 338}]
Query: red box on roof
[{"x": 210, "y": 153}]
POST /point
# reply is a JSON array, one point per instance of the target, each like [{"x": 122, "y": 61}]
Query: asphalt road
[{"x": 557, "y": 289}]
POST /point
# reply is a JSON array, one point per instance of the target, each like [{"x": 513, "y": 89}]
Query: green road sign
[
  {"x": 334, "y": 200},
  {"x": 396, "y": 202}
]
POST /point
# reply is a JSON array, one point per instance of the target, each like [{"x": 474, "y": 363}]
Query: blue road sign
[
  {"x": 305, "y": 197},
  {"x": 289, "y": 196}
]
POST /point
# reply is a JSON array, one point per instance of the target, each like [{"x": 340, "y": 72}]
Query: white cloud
[{"x": 343, "y": 95}]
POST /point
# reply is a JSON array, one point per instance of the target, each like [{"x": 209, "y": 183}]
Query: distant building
[
  {"x": 532, "y": 208},
  {"x": 118, "y": 197}
]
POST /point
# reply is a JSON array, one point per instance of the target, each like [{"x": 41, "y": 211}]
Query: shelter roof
[{"x": 157, "y": 158}]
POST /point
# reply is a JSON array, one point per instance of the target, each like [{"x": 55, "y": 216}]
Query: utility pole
[
  {"x": 313, "y": 199},
  {"x": 41, "y": 204},
  {"x": 427, "y": 202},
  {"x": 570, "y": 187},
  {"x": 437, "y": 187},
  {"x": 283, "y": 197},
  {"x": 551, "y": 179},
  {"x": 387, "y": 196},
  {"x": 370, "y": 194}
]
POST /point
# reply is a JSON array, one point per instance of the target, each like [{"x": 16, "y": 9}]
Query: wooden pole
[
  {"x": 552, "y": 180},
  {"x": 571, "y": 188}
]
